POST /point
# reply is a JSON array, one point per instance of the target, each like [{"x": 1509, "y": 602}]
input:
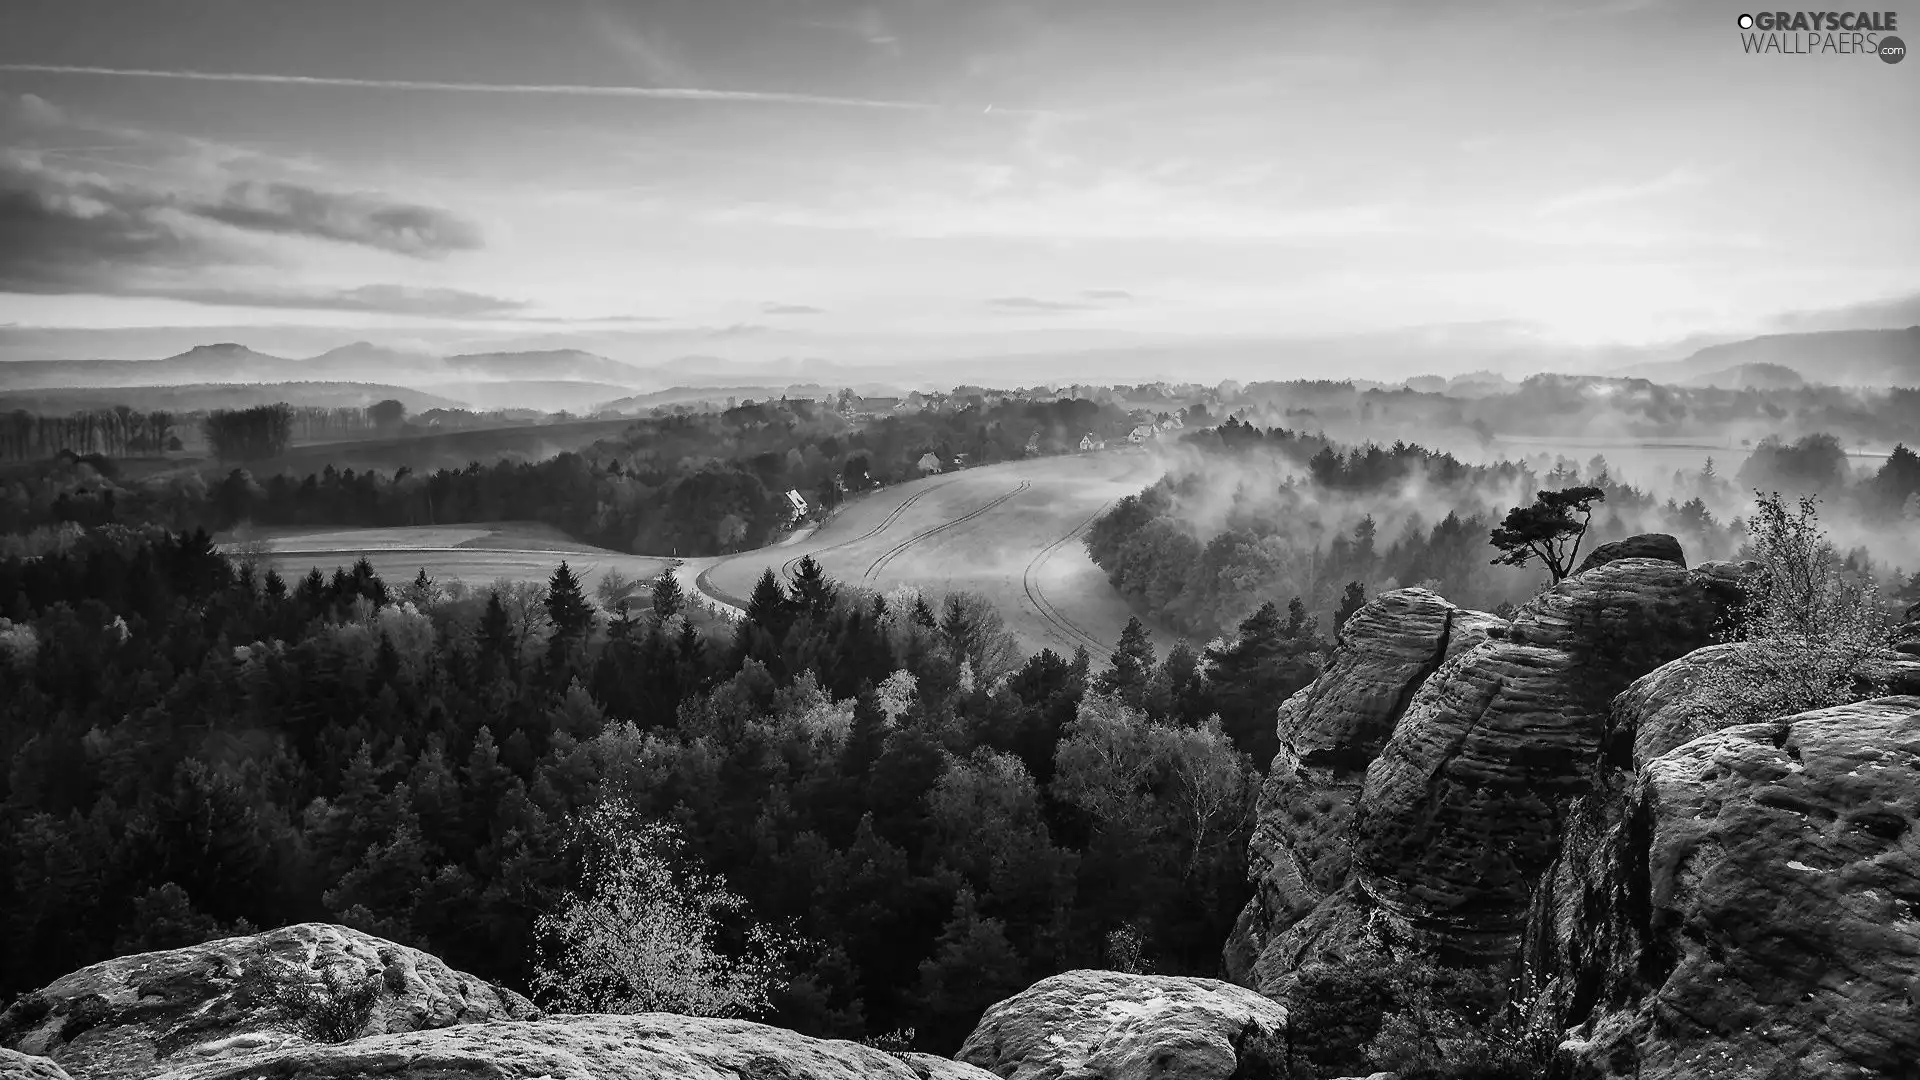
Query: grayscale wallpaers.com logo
[{"x": 1804, "y": 33}]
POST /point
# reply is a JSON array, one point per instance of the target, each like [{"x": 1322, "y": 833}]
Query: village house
[
  {"x": 1088, "y": 442},
  {"x": 1143, "y": 433},
  {"x": 929, "y": 463},
  {"x": 796, "y": 504}
]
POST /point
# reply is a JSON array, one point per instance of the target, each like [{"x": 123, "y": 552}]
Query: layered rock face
[
  {"x": 1459, "y": 812},
  {"x": 1116, "y": 1026},
  {"x": 141, "y": 1015},
  {"x": 1590, "y": 945},
  {"x": 1644, "y": 546},
  {"x": 220, "y": 1010},
  {"x": 15, "y": 1065},
  {"x": 650, "y": 1046},
  {"x": 1329, "y": 733},
  {"x": 1749, "y": 903}
]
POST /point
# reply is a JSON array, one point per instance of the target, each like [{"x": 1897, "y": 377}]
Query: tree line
[
  {"x": 195, "y": 748},
  {"x": 695, "y": 484},
  {"x": 1303, "y": 518}
]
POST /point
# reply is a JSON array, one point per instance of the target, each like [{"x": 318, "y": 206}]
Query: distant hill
[
  {"x": 228, "y": 362},
  {"x": 550, "y": 365},
  {"x": 197, "y": 396},
  {"x": 715, "y": 395},
  {"x": 1751, "y": 377},
  {"x": 1833, "y": 358}
]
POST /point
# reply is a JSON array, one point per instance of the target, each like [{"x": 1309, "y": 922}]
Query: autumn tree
[
  {"x": 643, "y": 930},
  {"x": 1812, "y": 628},
  {"x": 1547, "y": 530}
]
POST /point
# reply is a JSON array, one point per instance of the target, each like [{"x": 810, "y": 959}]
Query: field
[
  {"x": 1011, "y": 532},
  {"x": 474, "y": 554}
]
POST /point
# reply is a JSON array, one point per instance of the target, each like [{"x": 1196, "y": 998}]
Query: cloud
[
  {"x": 1030, "y": 303},
  {"x": 1107, "y": 294},
  {"x": 1677, "y": 179},
  {"x": 791, "y": 309},
  {"x": 383, "y": 299},
  {"x": 553, "y": 89},
  {"x": 77, "y": 233},
  {"x": 368, "y": 220},
  {"x": 63, "y": 233}
]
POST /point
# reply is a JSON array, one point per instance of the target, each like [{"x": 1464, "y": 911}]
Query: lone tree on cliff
[{"x": 1547, "y": 529}]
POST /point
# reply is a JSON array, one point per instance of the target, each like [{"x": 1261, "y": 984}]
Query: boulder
[
  {"x": 1116, "y": 1026},
  {"x": 1329, "y": 733},
  {"x": 140, "y": 1015},
  {"x": 15, "y": 1065},
  {"x": 649, "y": 1046},
  {"x": 1752, "y": 907},
  {"x": 1644, "y": 546},
  {"x": 1439, "y": 849}
]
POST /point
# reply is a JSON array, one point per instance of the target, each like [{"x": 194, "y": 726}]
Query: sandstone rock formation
[
  {"x": 650, "y": 1046},
  {"x": 15, "y": 1065},
  {"x": 141, "y": 1015},
  {"x": 1329, "y": 733},
  {"x": 1460, "y": 810},
  {"x": 1749, "y": 904},
  {"x": 1906, "y": 639},
  {"x": 1644, "y": 546},
  {"x": 1116, "y": 1026}
]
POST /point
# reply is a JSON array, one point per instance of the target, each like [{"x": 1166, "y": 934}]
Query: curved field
[{"x": 1011, "y": 532}]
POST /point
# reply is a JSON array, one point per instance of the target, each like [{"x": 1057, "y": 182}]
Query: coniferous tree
[
  {"x": 495, "y": 636},
  {"x": 1249, "y": 680},
  {"x": 1131, "y": 666},
  {"x": 812, "y": 591},
  {"x": 1353, "y": 600},
  {"x": 668, "y": 598},
  {"x": 567, "y": 607}
]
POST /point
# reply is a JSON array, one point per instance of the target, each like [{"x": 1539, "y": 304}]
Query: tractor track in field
[
  {"x": 1061, "y": 627},
  {"x": 880, "y": 563},
  {"x": 786, "y": 568}
]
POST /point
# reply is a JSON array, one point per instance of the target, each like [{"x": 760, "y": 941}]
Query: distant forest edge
[{"x": 1266, "y": 513}]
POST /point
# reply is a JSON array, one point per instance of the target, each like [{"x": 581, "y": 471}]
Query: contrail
[{"x": 557, "y": 89}]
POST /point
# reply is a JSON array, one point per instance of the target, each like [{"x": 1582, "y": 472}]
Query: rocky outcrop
[
  {"x": 1116, "y": 1026},
  {"x": 1906, "y": 638},
  {"x": 15, "y": 1065},
  {"x": 1460, "y": 811},
  {"x": 650, "y": 1046},
  {"x": 141, "y": 1015},
  {"x": 1329, "y": 733},
  {"x": 1749, "y": 903},
  {"x": 1644, "y": 546}
]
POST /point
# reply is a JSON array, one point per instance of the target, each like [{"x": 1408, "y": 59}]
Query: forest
[
  {"x": 194, "y": 747},
  {"x": 692, "y": 484},
  {"x": 1267, "y": 514}
]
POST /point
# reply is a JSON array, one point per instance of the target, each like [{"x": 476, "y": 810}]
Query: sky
[{"x": 1591, "y": 170}]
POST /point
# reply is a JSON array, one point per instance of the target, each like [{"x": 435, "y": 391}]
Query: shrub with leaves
[
  {"x": 644, "y": 931},
  {"x": 1816, "y": 626},
  {"x": 335, "y": 1011},
  {"x": 1418, "y": 1020}
]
